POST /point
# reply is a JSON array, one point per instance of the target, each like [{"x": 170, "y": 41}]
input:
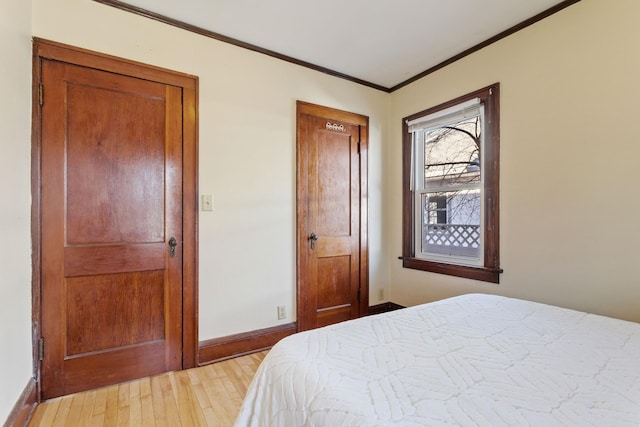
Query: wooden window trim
[{"x": 490, "y": 271}]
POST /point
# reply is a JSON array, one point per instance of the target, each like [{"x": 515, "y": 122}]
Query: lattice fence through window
[{"x": 456, "y": 235}]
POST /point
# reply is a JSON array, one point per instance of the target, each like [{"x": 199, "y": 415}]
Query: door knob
[
  {"x": 172, "y": 246},
  {"x": 313, "y": 237}
]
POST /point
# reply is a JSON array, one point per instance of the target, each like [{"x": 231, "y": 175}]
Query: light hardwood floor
[{"x": 207, "y": 396}]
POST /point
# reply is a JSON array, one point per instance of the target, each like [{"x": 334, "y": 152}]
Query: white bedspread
[{"x": 473, "y": 360}]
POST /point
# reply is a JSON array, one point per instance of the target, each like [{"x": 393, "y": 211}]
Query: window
[
  {"x": 436, "y": 210},
  {"x": 451, "y": 187}
]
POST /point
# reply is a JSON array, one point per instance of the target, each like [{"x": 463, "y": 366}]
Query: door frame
[
  {"x": 305, "y": 108},
  {"x": 49, "y": 50}
]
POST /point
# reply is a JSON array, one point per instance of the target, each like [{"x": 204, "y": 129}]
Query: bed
[{"x": 472, "y": 360}]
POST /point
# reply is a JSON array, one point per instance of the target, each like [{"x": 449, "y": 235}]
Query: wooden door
[
  {"x": 111, "y": 227},
  {"x": 331, "y": 216}
]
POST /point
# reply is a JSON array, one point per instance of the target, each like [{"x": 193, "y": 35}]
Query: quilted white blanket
[{"x": 473, "y": 360}]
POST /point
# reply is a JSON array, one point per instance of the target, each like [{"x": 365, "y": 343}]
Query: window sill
[{"x": 484, "y": 274}]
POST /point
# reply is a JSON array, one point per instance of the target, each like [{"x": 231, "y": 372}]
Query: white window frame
[{"x": 437, "y": 120}]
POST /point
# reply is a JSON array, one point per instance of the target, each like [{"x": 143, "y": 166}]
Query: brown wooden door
[
  {"x": 331, "y": 206},
  {"x": 111, "y": 200}
]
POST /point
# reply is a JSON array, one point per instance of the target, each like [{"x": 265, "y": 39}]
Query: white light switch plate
[{"x": 207, "y": 202}]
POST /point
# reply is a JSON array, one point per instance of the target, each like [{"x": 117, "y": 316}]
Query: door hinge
[
  {"x": 41, "y": 94},
  {"x": 41, "y": 349}
]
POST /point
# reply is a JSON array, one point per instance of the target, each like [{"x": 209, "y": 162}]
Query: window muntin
[{"x": 451, "y": 191}]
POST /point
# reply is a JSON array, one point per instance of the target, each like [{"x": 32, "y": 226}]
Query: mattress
[{"x": 472, "y": 360}]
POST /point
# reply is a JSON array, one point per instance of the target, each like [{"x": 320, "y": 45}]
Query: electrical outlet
[
  {"x": 282, "y": 312},
  {"x": 380, "y": 294}
]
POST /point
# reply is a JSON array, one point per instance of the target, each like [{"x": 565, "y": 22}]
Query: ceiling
[{"x": 380, "y": 42}]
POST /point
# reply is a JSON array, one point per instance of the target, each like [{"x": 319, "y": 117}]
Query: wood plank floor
[{"x": 207, "y": 396}]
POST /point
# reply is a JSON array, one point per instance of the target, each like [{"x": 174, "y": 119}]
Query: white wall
[
  {"x": 570, "y": 147},
  {"x": 15, "y": 201},
  {"x": 247, "y": 154}
]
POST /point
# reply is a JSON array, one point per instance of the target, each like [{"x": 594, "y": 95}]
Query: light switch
[{"x": 207, "y": 202}]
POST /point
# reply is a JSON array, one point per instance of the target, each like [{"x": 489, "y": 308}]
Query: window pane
[
  {"x": 452, "y": 154},
  {"x": 451, "y": 223}
]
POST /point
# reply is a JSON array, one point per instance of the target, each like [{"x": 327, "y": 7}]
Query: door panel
[
  {"x": 111, "y": 199},
  {"x": 131, "y": 311},
  {"x": 333, "y": 186},
  {"x": 333, "y": 273},
  {"x": 329, "y": 206},
  {"x": 103, "y": 213}
]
